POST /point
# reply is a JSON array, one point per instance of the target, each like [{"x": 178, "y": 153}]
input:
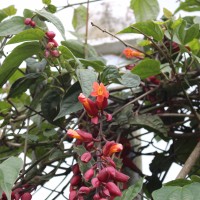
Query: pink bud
[
  {"x": 108, "y": 117},
  {"x": 86, "y": 157},
  {"x": 96, "y": 197},
  {"x": 32, "y": 23},
  {"x": 95, "y": 182},
  {"x": 89, "y": 146},
  {"x": 119, "y": 176},
  {"x": 84, "y": 190},
  {"x": 75, "y": 169},
  {"x": 76, "y": 180},
  {"x": 105, "y": 192},
  {"x": 55, "y": 53},
  {"x": 50, "y": 45},
  {"x": 72, "y": 195},
  {"x": 95, "y": 120},
  {"x": 54, "y": 42},
  {"x": 27, "y": 21},
  {"x": 26, "y": 196},
  {"x": 86, "y": 137},
  {"x": 50, "y": 34},
  {"x": 89, "y": 174},
  {"x": 46, "y": 53},
  {"x": 104, "y": 175},
  {"x": 113, "y": 189}
]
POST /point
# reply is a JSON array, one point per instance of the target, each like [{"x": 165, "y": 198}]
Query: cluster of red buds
[
  {"x": 51, "y": 46},
  {"x": 17, "y": 194},
  {"x": 102, "y": 178},
  {"x": 29, "y": 22}
]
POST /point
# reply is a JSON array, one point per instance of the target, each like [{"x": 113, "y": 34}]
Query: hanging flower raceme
[{"x": 130, "y": 53}]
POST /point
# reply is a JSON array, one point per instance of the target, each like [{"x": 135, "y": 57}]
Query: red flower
[
  {"x": 89, "y": 105},
  {"x": 80, "y": 135},
  {"x": 84, "y": 190},
  {"x": 100, "y": 92},
  {"x": 111, "y": 147},
  {"x": 130, "y": 53}
]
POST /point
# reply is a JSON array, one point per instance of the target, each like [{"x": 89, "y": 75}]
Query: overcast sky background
[{"x": 66, "y": 17}]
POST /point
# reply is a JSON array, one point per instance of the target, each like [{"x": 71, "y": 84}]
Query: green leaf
[
  {"x": 145, "y": 10},
  {"x": 187, "y": 192},
  {"x": 27, "y": 35},
  {"x": 168, "y": 14},
  {"x": 51, "y": 8},
  {"x": 178, "y": 182},
  {"x": 86, "y": 78},
  {"x": 22, "y": 84},
  {"x": 132, "y": 191},
  {"x": 79, "y": 18},
  {"x": 148, "y": 28},
  {"x": 189, "y": 6},
  {"x": 15, "y": 58},
  {"x": 186, "y": 35},
  {"x": 109, "y": 74},
  {"x": 53, "y": 19},
  {"x": 66, "y": 52},
  {"x": 69, "y": 102},
  {"x": 95, "y": 64},
  {"x": 8, "y": 11},
  {"x": 147, "y": 68},
  {"x": 130, "y": 80},
  {"x": 47, "y": 2},
  {"x": 12, "y": 26},
  {"x": 150, "y": 122},
  {"x": 50, "y": 104},
  {"x": 77, "y": 48},
  {"x": 9, "y": 171}
]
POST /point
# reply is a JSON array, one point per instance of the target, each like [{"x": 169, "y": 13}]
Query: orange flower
[
  {"x": 130, "y": 53},
  {"x": 99, "y": 91},
  {"x": 73, "y": 134},
  {"x": 89, "y": 105},
  {"x": 111, "y": 147},
  {"x": 80, "y": 135}
]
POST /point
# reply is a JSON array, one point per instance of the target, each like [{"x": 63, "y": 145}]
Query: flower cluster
[
  {"x": 102, "y": 178},
  {"x": 30, "y": 22},
  {"x": 51, "y": 46},
  {"x": 17, "y": 194},
  {"x": 130, "y": 53},
  {"x": 96, "y": 108}
]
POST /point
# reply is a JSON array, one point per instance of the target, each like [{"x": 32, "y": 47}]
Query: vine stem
[
  {"x": 190, "y": 162},
  {"x": 134, "y": 100}
]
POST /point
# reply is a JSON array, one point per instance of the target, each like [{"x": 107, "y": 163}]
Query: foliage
[{"x": 48, "y": 88}]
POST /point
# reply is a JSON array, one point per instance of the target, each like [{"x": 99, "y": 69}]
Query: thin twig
[
  {"x": 190, "y": 162},
  {"x": 124, "y": 43}
]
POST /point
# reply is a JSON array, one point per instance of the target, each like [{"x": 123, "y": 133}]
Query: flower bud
[
  {"x": 104, "y": 175},
  {"x": 26, "y": 196},
  {"x": 111, "y": 147},
  {"x": 96, "y": 196},
  {"x": 50, "y": 34},
  {"x": 89, "y": 146},
  {"x": 72, "y": 195},
  {"x": 75, "y": 169},
  {"x": 27, "y": 21},
  {"x": 113, "y": 189},
  {"x": 55, "y": 53},
  {"x": 76, "y": 180},
  {"x": 105, "y": 192},
  {"x": 121, "y": 177},
  {"x": 89, "y": 174},
  {"x": 86, "y": 157},
  {"x": 84, "y": 190},
  {"x": 95, "y": 182}
]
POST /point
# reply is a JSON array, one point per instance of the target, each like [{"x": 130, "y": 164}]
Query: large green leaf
[
  {"x": 8, "y": 11},
  {"x": 27, "y": 35},
  {"x": 148, "y": 28},
  {"x": 189, "y": 6},
  {"x": 9, "y": 171},
  {"x": 132, "y": 191},
  {"x": 69, "y": 102},
  {"x": 147, "y": 68},
  {"x": 53, "y": 19},
  {"x": 145, "y": 9},
  {"x": 130, "y": 80},
  {"x": 187, "y": 192},
  {"x": 22, "y": 84},
  {"x": 86, "y": 78},
  {"x": 150, "y": 122},
  {"x": 15, "y": 58},
  {"x": 186, "y": 35},
  {"x": 12, "y": 26}
]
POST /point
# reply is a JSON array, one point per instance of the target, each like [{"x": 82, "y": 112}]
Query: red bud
[
  {"x": 113, "y": 189},
  {"x": 84, "y": 190},
  {"x": 86, "y": 157},
  {"x": 75, "y": 180},
  {"x": 89, "y": 174},
  {"x": 26, "y": 196}
]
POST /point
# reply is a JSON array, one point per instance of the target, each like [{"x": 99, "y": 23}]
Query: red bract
[
  {"x": 72, "y": 195},
  {"x": 86, "y": 157},
  {"x": 113, "y": 189},
  {"x": 88, "y": 174},
  {"x": 89, "y": 105},
  {"x": 111, "y": 147}
]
